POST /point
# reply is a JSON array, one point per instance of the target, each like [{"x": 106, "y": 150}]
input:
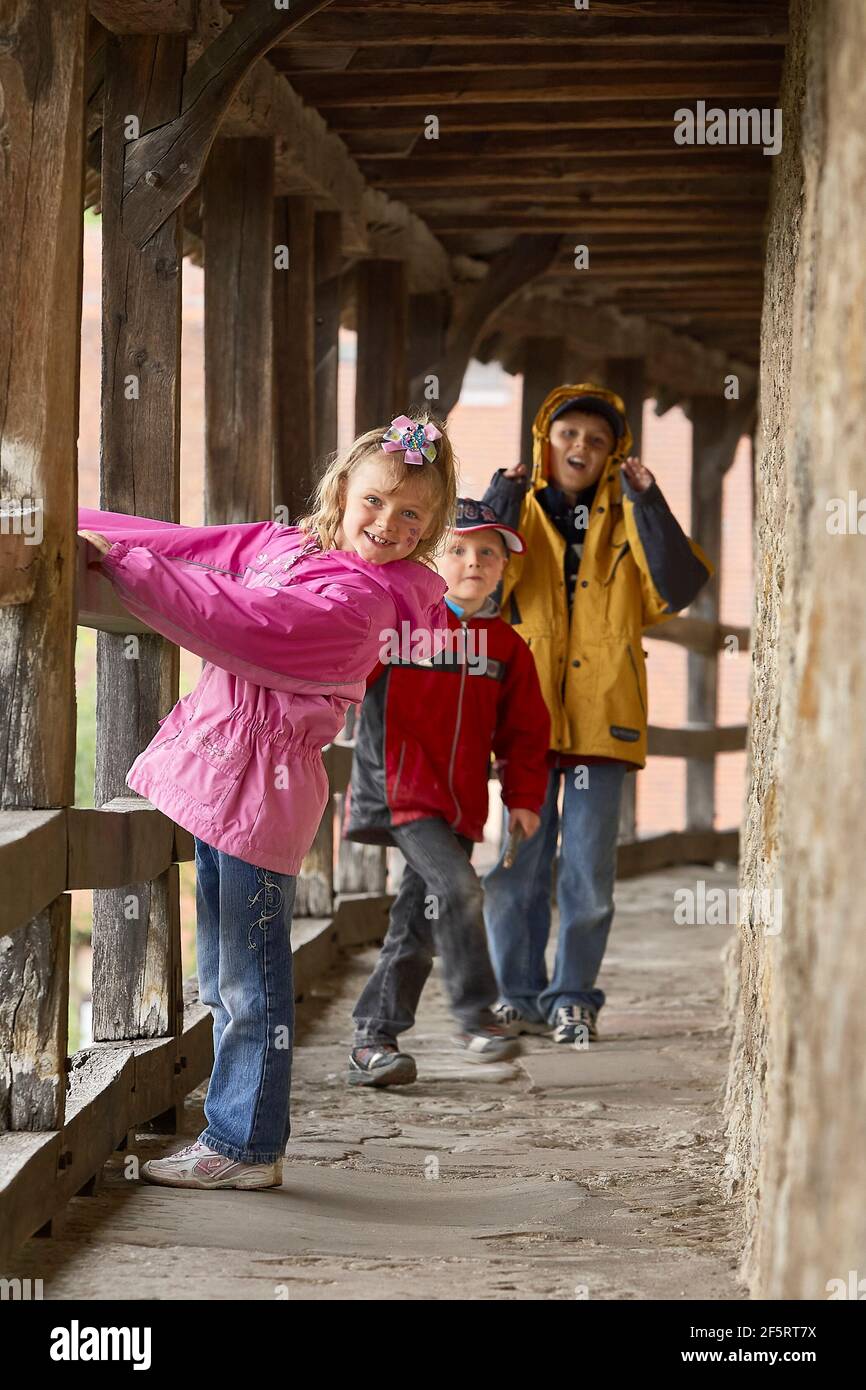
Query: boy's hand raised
[
  {"x": 517, "y": 471},
  {"x": 527, "y": 820},
  {"x": 638, "y": 476}
]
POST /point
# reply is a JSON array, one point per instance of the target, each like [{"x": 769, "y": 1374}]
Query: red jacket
[{"x": 426, "y": 734}]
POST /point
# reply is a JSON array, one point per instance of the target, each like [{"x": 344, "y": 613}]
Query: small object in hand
[{"x": 513, "y": 846}]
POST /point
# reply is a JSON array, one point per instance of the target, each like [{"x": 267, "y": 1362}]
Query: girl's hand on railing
[{"x": 100, "y": 542}]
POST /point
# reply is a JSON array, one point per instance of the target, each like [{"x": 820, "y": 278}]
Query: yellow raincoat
[{"x": 637, "y": 569}]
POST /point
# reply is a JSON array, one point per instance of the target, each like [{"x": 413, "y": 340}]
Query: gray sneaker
[
  {"x": 513, "y": 1023},
  {"x": 488, "y": 1045},
  {"x": 380, "y": 1064},
  {"x": 198, "y": 1166}
]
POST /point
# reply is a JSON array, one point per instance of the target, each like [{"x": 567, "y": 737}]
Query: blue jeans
[
  {"x": 244, "y": 918},
  {"x": 517, "y": 907}
]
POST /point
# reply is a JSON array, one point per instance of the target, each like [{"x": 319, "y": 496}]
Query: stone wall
[{"x": 797, "y": 1090}]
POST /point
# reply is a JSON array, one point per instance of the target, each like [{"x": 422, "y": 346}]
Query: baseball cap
[
  {"x": 477, "y": 516},
  {"x": 597, "y": 406}
]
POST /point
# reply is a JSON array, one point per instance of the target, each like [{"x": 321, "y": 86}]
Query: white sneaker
[{"x": 198, "y": 1166}]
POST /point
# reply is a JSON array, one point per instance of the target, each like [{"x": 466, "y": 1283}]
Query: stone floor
[{"x": 567, "y": 1174}]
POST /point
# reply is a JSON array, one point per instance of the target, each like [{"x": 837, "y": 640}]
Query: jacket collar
[{"x": 488, "y": 609}]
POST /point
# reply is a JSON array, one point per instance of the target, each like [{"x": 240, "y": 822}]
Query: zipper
[
  {"x": 623, "y": 551},
  {"x": 636, "y": 677},
  {"x": 453, "y": 757},
  {"x": 399, "y": 772}
]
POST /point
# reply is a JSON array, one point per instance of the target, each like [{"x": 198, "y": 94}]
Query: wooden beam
[
  {"x": 238, "y": 329},
  {"x": 381, "y": 381},
  {"x": 294, "y": 360},
  {"x": 145, "y": 16},
  {"x": 716, "y": 84},
  {"x": 164, "y": 165},
  {"x": 677, "y": 847},
  {"x": 670, "y": 357},
  {"x": 509, "y": 273},
  {"x": 42, "y": 61},
  {"x": 573, "y": 54},
  {"x": 136, "y": 925},
  {"x": 328, "y": 310},
  {"x": 699, "y": 635},
  {"x": 667, "y": 25},
  {"x": 699, "y": 742}
]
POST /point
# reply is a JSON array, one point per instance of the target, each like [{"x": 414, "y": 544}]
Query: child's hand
[
  {"x": 638, "y": 476},
  {"x": 527, "y": 820},
  {"x": 518, "y": 471},
  {"x": 100, "y": 542}
]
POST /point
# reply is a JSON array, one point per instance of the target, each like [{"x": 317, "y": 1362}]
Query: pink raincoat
[{"x": 289, "y": 639}]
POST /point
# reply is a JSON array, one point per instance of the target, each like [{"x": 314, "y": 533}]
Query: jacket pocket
[
  {"x": 636, "y": 673},
  {"x": 207, "y": 766}
]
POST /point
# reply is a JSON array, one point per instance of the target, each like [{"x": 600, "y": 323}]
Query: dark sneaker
[
  {"x": 381, "y": 1064},
  {"x": 513, "y": 1023},
  {"x": 575, "y": 1023},
  {"x": 488, "y": 1045}
]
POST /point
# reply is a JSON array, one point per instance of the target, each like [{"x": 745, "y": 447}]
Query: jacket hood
[{"x": 541, "y": 427}]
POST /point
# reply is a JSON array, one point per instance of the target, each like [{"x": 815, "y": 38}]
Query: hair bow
[{"x": 415, "y": 438}]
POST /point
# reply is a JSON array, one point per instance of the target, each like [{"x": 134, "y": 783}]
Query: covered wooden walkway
[{"x": 452, "y": 181}]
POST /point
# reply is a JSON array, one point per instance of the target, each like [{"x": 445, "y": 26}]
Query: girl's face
[
  {"x": 472, "y": 566},
  {"x": 580, "y": 446},
  {"x": 382, "y": 525}
]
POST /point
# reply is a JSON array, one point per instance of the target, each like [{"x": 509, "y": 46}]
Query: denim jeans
[
  {"x": 438, "y": 910},
  {"x": 517, "y": 906},
  {"x": 244, "y": 918}
]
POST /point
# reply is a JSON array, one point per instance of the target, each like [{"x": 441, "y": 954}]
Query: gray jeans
[{"x": 438, "y": 910}]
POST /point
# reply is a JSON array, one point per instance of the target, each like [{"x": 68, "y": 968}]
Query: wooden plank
[
  {"x": 677, "y": 847},
  {"x": 328, "y": 309},
  {"x": 700, "y": 635},
  {"x": 145, "y": 16},
  {"x": 381, "y": 389},
  {"x": 238, "y": 331},
  {"x": 718, "y": 84},
  {"x": 136, "y": 926},
  {"x": 573, "y": 53},
  {"x": 469, "y": 118},
  {"x": 28, "y": 1169},
  {"x": 164, "y": 165},
  {"x": 98, "y": 604},
  {"x": 665, "y": 25},
  {"x": 42, "y": 59},
  {"x": 701, "y": 742},
  {"x": 294, "y": 364},
  {"x": 126, "y": 841},
  {"x": 32, "y": 864}
]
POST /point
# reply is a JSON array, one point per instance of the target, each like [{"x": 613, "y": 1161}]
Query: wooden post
[
  {"x": 709, "y": 465},
  {"x": 426, "y": 345},
  {"x": 137, "y": 988},
  {"x": 381, "y": 384},
  {"x": 625, "y": 375},
  {"x": 238, "y": 330},
  {"x": 42, "y": 86},
  {"x": 294, "y": 366},
  {"x": 543, "y": 360},
  {"x": 328, "y": 309}
]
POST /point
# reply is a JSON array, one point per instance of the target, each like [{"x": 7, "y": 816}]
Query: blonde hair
[{"x": 438, "y": 477}]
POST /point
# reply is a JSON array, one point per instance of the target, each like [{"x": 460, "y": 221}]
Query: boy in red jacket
[{"x": 419, "y": 781}]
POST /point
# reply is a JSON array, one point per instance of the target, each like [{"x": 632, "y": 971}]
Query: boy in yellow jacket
[{"x": 605, "y": 557}]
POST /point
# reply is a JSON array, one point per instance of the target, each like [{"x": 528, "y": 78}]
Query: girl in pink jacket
[{"x": 290, "y": 621}]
